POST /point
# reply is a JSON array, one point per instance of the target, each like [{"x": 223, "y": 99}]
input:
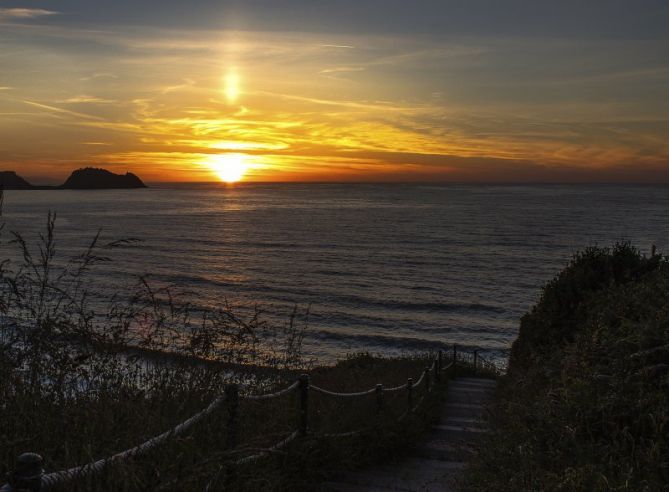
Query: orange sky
[{"x": 197, "y": 103}]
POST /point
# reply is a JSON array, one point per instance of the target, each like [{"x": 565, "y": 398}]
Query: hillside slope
[{"x": 585, "y": 405}]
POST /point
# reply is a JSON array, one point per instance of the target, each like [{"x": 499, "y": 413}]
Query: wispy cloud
[
  {"x": 342, "y": 69},
  {"x": 341, "y": 46},
  {"x": 83, "y": 99},
  {"x": 9, "y": 14},
  {"x": 62, "y": 111}
]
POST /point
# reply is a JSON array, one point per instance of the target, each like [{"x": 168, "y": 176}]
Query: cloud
[
  {"x": 10, "y": 14},
  {"x": 61, "y": 110},
  {"x": 86, "y": 99},
  {"x": 342, "y": 69},
  {"x": 341, "y": 46}
]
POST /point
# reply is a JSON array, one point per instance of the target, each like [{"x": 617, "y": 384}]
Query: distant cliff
[
  {"x": 82, "y": 179},
  {"x": 9, "y": 180},
  {"x": 98, "y": 179}
]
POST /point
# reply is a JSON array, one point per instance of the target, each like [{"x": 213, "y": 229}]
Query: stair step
[
  {"x": 347, "y": 487},
  {"x": 462, "y": 410},
  {"x": 446, "y": 450},
  {"x": 467, "y": 398},
  {"x": 490, "y": 383}
]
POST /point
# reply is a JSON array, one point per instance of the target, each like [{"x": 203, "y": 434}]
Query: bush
[{"x": 584, "y": 405}]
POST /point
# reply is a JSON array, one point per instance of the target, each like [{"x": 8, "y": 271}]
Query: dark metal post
[
  {"x": 455, "y": 359},
  {"x": 232, "y": 398},
  {"x": 379, "y": 398},
  {"x": 27, "y": 475},
  {"x": 476, "y": 358},
  {"x": 437, "y": 370},
  {"x": 304, "y": 405},
  {"x": 410, "y": 395},
  {"x": 428, "y": 383}
]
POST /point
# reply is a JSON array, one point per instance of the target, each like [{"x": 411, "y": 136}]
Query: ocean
[{"x": 382, "y": 268}]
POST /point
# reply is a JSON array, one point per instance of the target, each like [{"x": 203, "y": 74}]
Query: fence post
[
  {"x": 232, "y": 399},
  {"x": 379, "y": 398},
  {"x": 410, "y": 395},
  {"x": 455, "y": 359},
  {"x": 437, "y": 369},
  {"x": 304, "y": 405},
  {"x": 428, "y": 383},
  {"x": 476, "y": 358},
  {"x": 27, "y": 474}
]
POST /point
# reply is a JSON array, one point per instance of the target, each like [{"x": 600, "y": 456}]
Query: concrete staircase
[{"x": 437, "y": 464}]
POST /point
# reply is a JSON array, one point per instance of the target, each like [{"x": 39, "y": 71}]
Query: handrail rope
[
  {"x": 254, "y": 457},
  {"x": 367, "y": 429},
  {"x": 342, "y": 395},
  {"x": 264, "y": 452},
  {"x": 272, "y": 395},
  {"x": 370, "y": 391},
  {"x": 420, "y": 380},
  {"x": 52, "y": 479},
  {"x": 396, "y": 388}
]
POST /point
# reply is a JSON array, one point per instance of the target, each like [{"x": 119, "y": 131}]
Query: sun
[{"x": 230, "y": 168}]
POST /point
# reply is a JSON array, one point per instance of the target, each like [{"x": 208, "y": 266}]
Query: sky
[{"x": 346, "y": 90}]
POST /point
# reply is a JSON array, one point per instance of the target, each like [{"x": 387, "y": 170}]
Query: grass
[
  {"x": 84, "y": 376},
  {"x": 585, "y": 404},
  {"x": 75, "y": 428}
]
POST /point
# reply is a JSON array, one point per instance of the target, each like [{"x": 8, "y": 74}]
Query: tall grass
[{"x": 85, "y": 374}]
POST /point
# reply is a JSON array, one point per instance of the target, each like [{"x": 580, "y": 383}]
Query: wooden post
[
  {"x": 437, "y": 369},
  {"x": 232, "y": 398},
  {"x": 27, "y": 474},
  {"x": 304, "y": 405},
  {"x": 379, "y": 398},
  {"x": 428, "y": 384},
  {"x": 410, "y": 395}
]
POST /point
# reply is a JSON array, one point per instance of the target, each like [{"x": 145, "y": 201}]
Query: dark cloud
[{"x": 626, "y": 19}]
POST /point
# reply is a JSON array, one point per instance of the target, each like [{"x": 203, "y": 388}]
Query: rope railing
[
  {"x": 30, "y": 476},
  {"x": 343, "y": 395},
  {"x": 276, "y": 394}
]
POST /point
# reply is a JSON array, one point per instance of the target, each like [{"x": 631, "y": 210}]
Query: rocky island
[
  {"x": 98, "y": 179},
  {"x": 88, "y": 178},
  {"x": 9, "y": 180}
]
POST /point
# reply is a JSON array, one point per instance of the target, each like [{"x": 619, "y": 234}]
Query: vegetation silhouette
[{"x": 584, "y": 404}]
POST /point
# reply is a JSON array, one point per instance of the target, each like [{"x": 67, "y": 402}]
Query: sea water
[{"x": 383, "y": 268}]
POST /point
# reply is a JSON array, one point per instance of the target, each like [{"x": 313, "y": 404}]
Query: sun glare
[
  {"x": 230, "y": 168},
  {"x": 231, "y": 86}
]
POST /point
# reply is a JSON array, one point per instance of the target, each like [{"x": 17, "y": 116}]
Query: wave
[{"x": 399, "y": 343}]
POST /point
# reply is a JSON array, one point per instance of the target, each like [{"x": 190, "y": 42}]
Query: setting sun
[{"x": 230, "y": 168}]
